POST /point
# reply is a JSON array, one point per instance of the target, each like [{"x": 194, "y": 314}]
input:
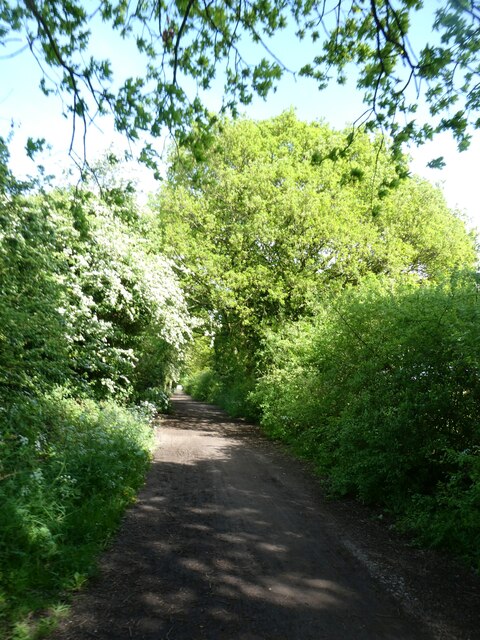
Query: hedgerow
[
  {"x": 93, "y": 329},
  {"x": 383, "y": 394}
]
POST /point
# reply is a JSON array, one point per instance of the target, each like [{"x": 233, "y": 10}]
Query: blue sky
[{"x": 32, "y": 114}]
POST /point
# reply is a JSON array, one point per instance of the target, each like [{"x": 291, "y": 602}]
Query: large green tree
[
  {"x": 275, "y": 218},
  {"x": 204, "y": 40},
  {"x": 274, "y": 213}
]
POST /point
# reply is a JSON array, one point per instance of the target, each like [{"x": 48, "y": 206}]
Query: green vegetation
[
  {"x": 85, "y": 308},
  {"x": 274, "y": 220},
  {"x": 186, "y": 47},
  {"x": 340, "y": 310},
  {"x": 334, "y": 297},
  {"x": 381, "y": 389},
  {"x": 329, "y": 295},
  {"x": 69, "y": 468}
]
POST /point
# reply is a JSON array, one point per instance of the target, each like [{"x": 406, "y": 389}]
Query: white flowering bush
[
  {"x": 85, "y": 301},
  {"x": 128, "y": 318}
]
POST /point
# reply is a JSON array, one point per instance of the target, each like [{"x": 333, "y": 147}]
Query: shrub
[
  {"x": 233, "y": 396},
  {"x": 158, "y": 398},
  {"x": 202, "y": 385},
  {"x": 382, "y": 391}
]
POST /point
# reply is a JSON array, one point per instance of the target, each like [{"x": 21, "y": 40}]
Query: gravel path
[{"x": 232, "y": 539}]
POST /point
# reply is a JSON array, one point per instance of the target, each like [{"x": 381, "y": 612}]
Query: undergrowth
[
  {"x": 233, "y": 398},
  {"x": 68, "y": 469}
]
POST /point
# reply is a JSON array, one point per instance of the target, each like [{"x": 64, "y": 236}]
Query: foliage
[
  {"x": 275, "y": 219},
  {"x": 90, "y": 318},
  {"x": 202, "y": 385},
  {"x": 34, "y": 353},
  {"x": 332, "y": 294},
  {"x": 67, "y": 471},
  {"x": 178, "y": 42},
  {"x": 382, "y": 390},
  {"x": 210, "y": 386},
  {"x": 138, "y": 308},
  {"x": 84, "y": 300}
]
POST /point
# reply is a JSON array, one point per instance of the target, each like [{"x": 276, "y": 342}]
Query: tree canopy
[
  {"x": 274, "y": 220},
  {"x": 205, "y": 40},
  {"x": 274, "y": 214}
]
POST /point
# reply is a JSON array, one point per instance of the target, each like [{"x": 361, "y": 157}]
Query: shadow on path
[{"x": 229, "y": 540}]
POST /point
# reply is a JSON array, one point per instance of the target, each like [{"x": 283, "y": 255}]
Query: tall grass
[{"x": 68, "y": 468}]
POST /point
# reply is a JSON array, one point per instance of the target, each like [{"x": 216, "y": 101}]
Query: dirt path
[{"x": 231, "y": 539}]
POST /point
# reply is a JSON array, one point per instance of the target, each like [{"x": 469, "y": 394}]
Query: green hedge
[
  {"x": 382, "y": 391},
  {"x": 236, "y": 398}
]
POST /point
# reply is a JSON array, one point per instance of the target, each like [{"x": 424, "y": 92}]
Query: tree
[
  {"x": 274, "y": 220},
  {"x": 84, "y": 303},
  {"x": 200, "y": 40},
  {"x": 274, "y": 213}
]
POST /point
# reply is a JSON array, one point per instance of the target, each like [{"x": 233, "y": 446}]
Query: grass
[{"x": 68, "y": 469}]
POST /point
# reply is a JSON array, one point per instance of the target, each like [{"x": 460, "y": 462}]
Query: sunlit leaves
[
  {"x": 209, "y": 41},
  {"x": 81, "y": 292},
  {"x": 380, "y": 390},
  {"x": 281, "y": 214}
]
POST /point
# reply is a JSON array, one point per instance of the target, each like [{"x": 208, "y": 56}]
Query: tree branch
[{"x": 179, "y": 35}]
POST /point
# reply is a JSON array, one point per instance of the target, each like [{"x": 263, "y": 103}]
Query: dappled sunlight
[{"x": 230, "y": 545}]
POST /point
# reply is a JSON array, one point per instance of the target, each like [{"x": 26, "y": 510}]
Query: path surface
[{"x": 231, "y": 539}]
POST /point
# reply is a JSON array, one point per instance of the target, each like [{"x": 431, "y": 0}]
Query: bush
[
  {"x": 383, "y": 391},
  {"x": 235, "y": 397},
  {"x": 84, "y": 303},
  {"x": 202, "y": 385},
  {"x": 158, "y": 398}
]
